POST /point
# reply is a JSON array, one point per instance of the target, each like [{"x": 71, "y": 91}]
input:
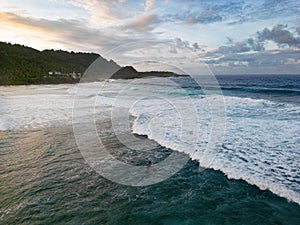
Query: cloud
[
  {"x": 76, "y": 35},
  {"x": 142, "y": 24},
  {"x": 255, "y": 44},
  {"x": 173, "y": 50},
  {"x": 196, "y": 46},
  {"x": 297, "y": 26},
  {"x": 149, "y": 4},
  {"x": 204, "y": 19},
  {"x": 180, "y": 44},
  {"x": 252, "y": 11},
  {"x": 190, "y": 17},
  {"x": 251, "y": 56},
  {"x": 283, "y": 61},
  {"x": 280, "y": 35},
  {"x": 204, "y": 12},
  {"x": 232, "y": 12},
  {"x": 72, "y": 34},
  {"x": 104, "y": 11},
  {"x": 247, "y": 45},
  {"x": 237, "y": 47}
]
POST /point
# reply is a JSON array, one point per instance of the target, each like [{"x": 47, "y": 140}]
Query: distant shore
[
  {"x": 68, "y": 80},
  {"x": 21, "y": 65}
]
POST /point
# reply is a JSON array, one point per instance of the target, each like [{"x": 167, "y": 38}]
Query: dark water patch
[
  {"x": 264, "y": 90},
  {"x": 44, "y": 180},
  {"x": 128, "y": 147},
  {"x": 278, "y": 88}
]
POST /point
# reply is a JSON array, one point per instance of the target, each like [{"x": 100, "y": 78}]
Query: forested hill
[{"x": 24, "y": 65}]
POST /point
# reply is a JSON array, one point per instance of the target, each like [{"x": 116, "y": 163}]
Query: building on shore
[
  {"x": 55, "y": 72},
  {"x": 74, "y": 74}
]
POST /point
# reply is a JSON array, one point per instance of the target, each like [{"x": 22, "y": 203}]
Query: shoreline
[{"x": 88, "y": 81}]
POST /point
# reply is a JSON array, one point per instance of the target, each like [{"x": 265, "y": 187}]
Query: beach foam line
[{"x": 236, "y": 167}]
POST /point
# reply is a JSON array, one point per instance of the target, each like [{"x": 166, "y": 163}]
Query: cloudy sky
[{"x": 230, "y": 36}]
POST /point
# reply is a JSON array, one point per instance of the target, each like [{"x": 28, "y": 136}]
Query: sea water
[{"x": 253, "y": 176}]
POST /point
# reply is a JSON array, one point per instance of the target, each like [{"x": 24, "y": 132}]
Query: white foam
[{"x": 261, "y": 144}]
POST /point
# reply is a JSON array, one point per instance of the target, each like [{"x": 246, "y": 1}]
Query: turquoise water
[{"x": 45, "y": 180}]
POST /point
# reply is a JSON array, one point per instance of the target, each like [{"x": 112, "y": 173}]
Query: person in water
[{"x": 149, "y": 163}]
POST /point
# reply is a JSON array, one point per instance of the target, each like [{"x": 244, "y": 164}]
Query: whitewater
[{"x": 260, "y": 143}]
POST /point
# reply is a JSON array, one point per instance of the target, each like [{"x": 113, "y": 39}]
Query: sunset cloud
[
  {"x": 68, "y": 32},
  {"x": 142, "y": 24},
  {"x": 104, "y": 11},
  {"x": 237, "y": 35}
]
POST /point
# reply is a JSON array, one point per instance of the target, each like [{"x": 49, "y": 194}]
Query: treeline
[
  {"x": 128, "y": 72},
  {"x": 25, "y": 65}
]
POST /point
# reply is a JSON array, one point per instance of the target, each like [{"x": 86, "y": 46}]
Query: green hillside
[
  {"x": 24, "y": 65},
  {"x": 128, "y": 72}
]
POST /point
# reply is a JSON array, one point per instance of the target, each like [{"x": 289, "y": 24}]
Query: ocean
[{"x": 221, "y": 154}]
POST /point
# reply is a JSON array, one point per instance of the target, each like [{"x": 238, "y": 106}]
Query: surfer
[{"x": 149, "y": 163}]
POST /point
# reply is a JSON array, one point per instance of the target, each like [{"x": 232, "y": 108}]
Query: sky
[{"x": 229, "y": 36}]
